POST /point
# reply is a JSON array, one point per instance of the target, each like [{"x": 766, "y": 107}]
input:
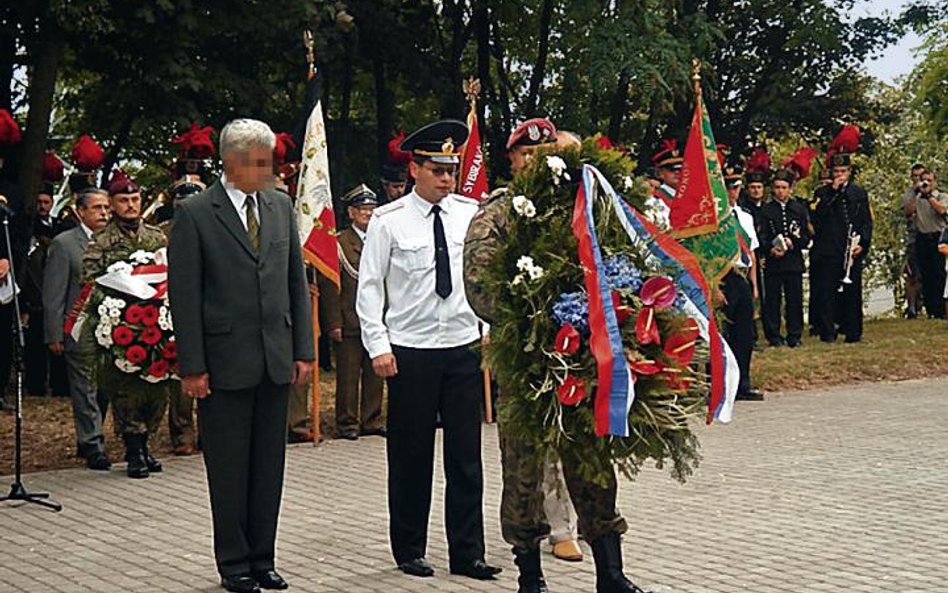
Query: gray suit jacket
[
  {"x": 237, "y": 314},
  {"x": 62, "y": 280}
]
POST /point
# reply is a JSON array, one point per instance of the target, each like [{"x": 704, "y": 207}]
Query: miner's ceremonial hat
[
  {"x": 733, "y": 175},
  {"x": 439, "y": 142},
  {"x": 668, "y": 156},
  {"x": 360, "y": 195}
]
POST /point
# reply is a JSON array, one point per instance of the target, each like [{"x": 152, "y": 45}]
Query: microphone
[{"x": 5, "y": 209}]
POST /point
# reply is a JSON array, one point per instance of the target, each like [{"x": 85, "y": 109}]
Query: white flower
[
  {"x": 536, "y": 272},
  {"x": 628, "y": 184},
  {"x": 141, "y": 257},
  {"x": 529, "y": 210},
  {"x": 518, "y": 279},
  {"x": 524, "y": 206},
  {"x": 525, "y": 263},
  {"x": 103, "y": 310},
  {"x": 125, "y": 366},
  {"x": 120, "y": 267},
  {"x": 115, "y": 313},
  {"x": 558, "y": 166}
]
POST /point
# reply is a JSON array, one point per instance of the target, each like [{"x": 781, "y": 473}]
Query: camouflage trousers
[
  {"x": 522, "y": 519},
  {"x": 136, "y": 413}
]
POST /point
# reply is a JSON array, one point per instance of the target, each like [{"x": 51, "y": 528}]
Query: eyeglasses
[{"x": 441, "y": 171}]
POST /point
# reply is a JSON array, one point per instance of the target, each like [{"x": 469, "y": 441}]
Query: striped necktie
[{"x": 253, "y": 225}]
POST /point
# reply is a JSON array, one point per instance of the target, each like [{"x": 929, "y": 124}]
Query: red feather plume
[
  {"x": 759, "y": 161},
  {"x": 801, "y": 161},
  {"x": 847, "y": 141},
  {"x": 394, "y": 154},
  {"x": 196, "y": 143},
  {"x": 87, "y": 155},
  {"x": 669, "y": 144},
  {"x": 284, "y": 142},
  {"x": 53, "y": 170},
  {"x": 9, "y": 129}
]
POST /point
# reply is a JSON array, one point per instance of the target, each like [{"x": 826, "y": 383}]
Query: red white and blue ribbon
[
  {"x": 669, "y": 253},
  {"x": 615, "y": 389}
]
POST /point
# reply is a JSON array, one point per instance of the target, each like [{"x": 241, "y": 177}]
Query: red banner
[
  {"x": 473, "y": 179},
  {"x": 694, "y": 210}
]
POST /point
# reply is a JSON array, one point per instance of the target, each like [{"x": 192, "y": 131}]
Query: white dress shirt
[
  {"x": 746, "y": 220},
  {"x": 397, "y": 270},
  {"x": 86, "y": 230},
  {"x": 239, "y": 199}
]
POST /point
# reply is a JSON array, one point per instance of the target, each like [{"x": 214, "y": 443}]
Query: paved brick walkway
[{"x": 837, "y": 491}]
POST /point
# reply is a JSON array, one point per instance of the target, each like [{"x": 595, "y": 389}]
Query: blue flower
[
  {"x": 622, "y": 273},
  {"x": 572, "y": 308}
]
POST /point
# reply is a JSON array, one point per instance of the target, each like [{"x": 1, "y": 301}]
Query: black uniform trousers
[
  {"x": 739, "y": 323},
  {"x": 243, "y": 435},
  {"x": 931, "y": 265},
  {"x": 430, "y": 382},
  {"x": 783, "y": 286},
  {"x": 43, "y": 368},
  {"x": 839, "y": 312}
]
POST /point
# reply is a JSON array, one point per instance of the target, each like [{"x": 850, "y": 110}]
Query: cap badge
[
  {"x": 448, "y": 146},
  {"x": 533, "y": 132}
]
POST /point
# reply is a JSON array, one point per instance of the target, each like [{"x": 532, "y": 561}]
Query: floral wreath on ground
[
  {"x": 133, "y": 332},
  {"x": 539, "y": 349}
]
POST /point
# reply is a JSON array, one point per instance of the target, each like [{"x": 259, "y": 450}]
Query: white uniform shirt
[
  {"x": 398, "y": 269},
  {"x": 746, "y": 220}
]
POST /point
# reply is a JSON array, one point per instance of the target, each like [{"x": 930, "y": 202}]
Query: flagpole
[{"x": 315, "y": 389}]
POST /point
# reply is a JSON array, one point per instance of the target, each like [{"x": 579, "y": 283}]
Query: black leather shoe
[
  {"x": 240, "y": 584},
  {"x": 793, "y": 343},
  {"x": 477, "y": 569},
  {"x": 349, "y": 435},
  {"x": 270, "y": 579},
  {"x": 417, "y": 567},
  {"x": 750, "y": 396},
  {"x": 375, "y": 432},
  {"x": 98, "y": 461}
]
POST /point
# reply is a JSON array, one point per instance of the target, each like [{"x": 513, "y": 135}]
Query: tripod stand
[{"x": 17, "y": 490}]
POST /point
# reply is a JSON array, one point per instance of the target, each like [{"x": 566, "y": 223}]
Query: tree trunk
[
  {"x": 41, "y": 90},
  {"x": 345, "y": 106},
  {"x": 7, "y": 64},
  {"x": 619, "y": 105},
  {"x": 384, "y": 105},
  {"x": 120, "y": 140},
  {"x": 543, "y": 50}
]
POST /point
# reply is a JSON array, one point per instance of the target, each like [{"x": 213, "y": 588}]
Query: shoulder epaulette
[
  {"x": 465, "y": 200},
  {"x": 390, "y": 207}
]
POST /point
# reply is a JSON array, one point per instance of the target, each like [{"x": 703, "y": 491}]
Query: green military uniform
[
  {"x": 180, "y": 407},
  {"x": 134, "y": 413},
  {"x": 521, "y": 514}
]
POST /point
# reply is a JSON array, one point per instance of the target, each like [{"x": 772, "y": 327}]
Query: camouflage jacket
[
  {"x": 486, "y": 234},
  {"x": 114, "y": 244}
]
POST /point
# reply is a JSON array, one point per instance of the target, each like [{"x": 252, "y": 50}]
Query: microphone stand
[{"x": 17, "y": 490}]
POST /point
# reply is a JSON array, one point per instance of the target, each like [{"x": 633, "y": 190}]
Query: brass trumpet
[{"x": 851, "y": 245}]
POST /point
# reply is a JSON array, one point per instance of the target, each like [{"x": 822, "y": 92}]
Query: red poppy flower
[
  {"x": 134, "y": 314},
  {"x": 158, "y": 369},
  {"x": 567, "y": 340},
  {"x": 170, "y": 351},
  {"x": 658, "y": 292},
  {"x": 150, "y": 315},
  {"x": 571, "y": 392},
  {"x": 623, "y": 312},
  {"x": 151, "y": 335},
  {"x": 123, "y": 335},
  {"x": 646, "y": 327},
  {"x": 135, "y": 354}
]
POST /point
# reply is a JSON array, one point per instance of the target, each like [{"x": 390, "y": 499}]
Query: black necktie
[{"x": 442, "y": 263}]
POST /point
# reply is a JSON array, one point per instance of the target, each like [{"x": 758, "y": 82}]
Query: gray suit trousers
[{"x": 89, "y": 404}]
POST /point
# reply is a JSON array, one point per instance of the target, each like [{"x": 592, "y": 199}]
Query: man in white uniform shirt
[
  {"x": 739, "y": 288},
  {"x": 419, "y": 331}
]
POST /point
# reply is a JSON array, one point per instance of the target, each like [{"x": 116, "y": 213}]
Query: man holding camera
[{"x": 929, "y": 207}]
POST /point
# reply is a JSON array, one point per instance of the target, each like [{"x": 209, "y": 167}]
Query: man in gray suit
[
  {"x": 243, "y": 324},
  {"x": 62, "y": 283}
]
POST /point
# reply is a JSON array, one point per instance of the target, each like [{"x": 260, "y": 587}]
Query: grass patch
[{"x": 891, "y": 350}]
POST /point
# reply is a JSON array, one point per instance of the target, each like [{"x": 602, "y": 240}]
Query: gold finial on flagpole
[
  {"x": 696, "y": 74},
  {"x": 310, "y": 55},
  {"x": 471, "y": 88}
]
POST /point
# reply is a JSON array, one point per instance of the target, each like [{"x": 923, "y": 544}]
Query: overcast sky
[{"x": 898, "y": 59}]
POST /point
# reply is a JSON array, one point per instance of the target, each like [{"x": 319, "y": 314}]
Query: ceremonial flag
[
  {"x": 473, "y": 169},
  {"x": 315, "y": 217}
]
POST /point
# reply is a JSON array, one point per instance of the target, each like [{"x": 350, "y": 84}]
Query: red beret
[
  {"x": 284, "y": 142},
  {"x": 538, "y": 130},
  {"x": 9, "y": 130},
  {"x": 52, "y": 167},
  {"x": 121, "y": 184},
  {"x": 87, "y": 155},
  {"x": 196, "y": 143}
]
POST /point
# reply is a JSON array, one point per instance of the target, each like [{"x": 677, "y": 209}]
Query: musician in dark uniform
[
  {"x": 785, "y": 233},
  {"x": 840, "y": 213}
]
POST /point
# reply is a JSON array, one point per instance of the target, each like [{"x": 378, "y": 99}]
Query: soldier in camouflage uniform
[
  {"x": 521, "y": 515},
  {"x": 136, "y": 415}
]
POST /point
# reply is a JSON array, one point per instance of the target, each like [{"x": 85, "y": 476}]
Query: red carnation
[
  {"x": 571, "y": 392},
  {"x": 150, "y": 315},
  {"x": 170, "y": 351},
  {"x": 135, "y": 354},
  {"x": 567, "y": 340},
  {"x": 134, "y": 314},
  {"x": 151, "y": 335},
  {"x": 123, "y": 335},
  {"x": 158, "y": 369}
]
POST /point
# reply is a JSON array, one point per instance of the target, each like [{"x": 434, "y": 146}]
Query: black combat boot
[
  {"x": 135, "y": 456},
  {"x": 531, "y": 575},
  {"x": 154, "y": 466},
  {"x": 607, "y": 550}
]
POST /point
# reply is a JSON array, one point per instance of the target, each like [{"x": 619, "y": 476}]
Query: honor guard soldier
[
  {"x": 842, "y": 222},
  {"x": 667, "y": 163},
  {"x": 137, "y": 415},
  {"x": 394, "y": 178},
  {"x": 785, "y": 233},
  {"x": 424, "y": 345},
  {"x": 358, "y": 388}
]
